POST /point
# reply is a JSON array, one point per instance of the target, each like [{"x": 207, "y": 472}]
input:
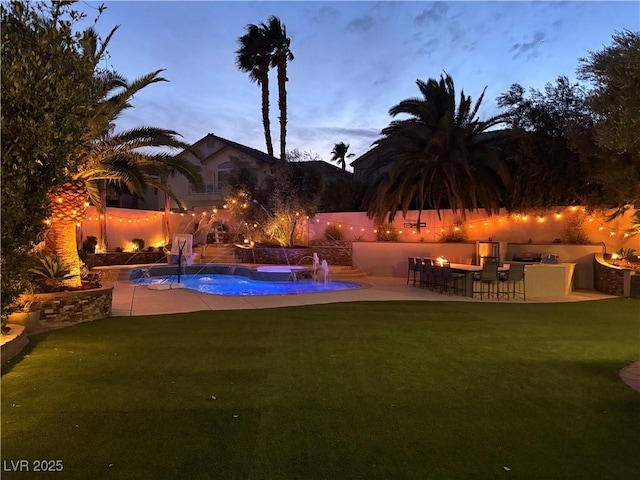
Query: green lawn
[{"x": 386, "y": 390}]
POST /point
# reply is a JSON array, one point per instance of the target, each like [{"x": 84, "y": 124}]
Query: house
[
  {"x": 364, "y": 165},
  {"x": 329, "y": 173},
  {"x": 216, "y": 164}
]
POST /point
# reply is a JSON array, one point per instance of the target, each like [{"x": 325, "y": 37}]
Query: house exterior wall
[{"x": 215, "y": 153}]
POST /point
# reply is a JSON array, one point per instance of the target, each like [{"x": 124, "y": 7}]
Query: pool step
[
  {"x": 218, "y": 253},
  {"x": 346, "y": 273}
]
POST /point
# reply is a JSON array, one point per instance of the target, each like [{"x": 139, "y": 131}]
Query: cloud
[
  {"x": 428, "y": 47},
  {"x": 432, "y": 14},
  {"x": 325, "y": 13},
  {"x": 522, "y": 48},
  {"x": 366, "y": 133},
  {"x": 363, "y": 23}
]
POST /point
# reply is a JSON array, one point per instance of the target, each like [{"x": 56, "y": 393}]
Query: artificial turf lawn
[{"x": 391, "y": 390}]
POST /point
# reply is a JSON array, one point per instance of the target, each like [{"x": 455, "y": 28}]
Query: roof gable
[{"x": 249, "y": 151}]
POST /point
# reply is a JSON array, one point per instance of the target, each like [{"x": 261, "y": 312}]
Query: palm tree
[
  {"x": 276, "y": 34},
  {"x": 339, "y": 154},
  {"x": 115, "y": 159},
  {"x": 254, "y": 57},
  {"x": 439, "y": 154}
]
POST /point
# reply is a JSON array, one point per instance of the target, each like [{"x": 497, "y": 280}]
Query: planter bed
[{"x": 124, "y": 258}]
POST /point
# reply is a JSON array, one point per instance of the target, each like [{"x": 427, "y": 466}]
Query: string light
[{"x": 455, "y": 224}]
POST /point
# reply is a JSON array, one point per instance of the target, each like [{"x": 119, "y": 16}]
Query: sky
[{"x": 353, "y": 60}]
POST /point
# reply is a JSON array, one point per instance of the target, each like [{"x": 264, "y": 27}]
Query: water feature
[
  {"x": 325, "y": 269},
  {"x": 316, "y": 262}
]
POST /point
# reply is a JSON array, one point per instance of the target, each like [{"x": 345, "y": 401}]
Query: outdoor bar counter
[
  {"x": 542, "y": 280},
  {"x": 548, "y": 279}
]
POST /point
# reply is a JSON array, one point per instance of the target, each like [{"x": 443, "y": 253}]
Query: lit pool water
[{"x": 237, "y": 285}]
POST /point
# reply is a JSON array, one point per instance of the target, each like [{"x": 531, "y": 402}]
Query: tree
[
  {"x": 339, "y": 154},
  {"x": 254, "y": 57},
  {"x": 48, "y": 94},
  {"x": 281, "y": 54},
  {"x": 277, "y": 209},
  {"x": 612, "y": 145},
  {"x": 555, "y": 157},
  {"x": 545, "y": 169},
  {"x": 265, "y": 46},
  {"x": 112, "y": 158},
  {"x": 615, "y": 97},
  {"x": 439, "y": 155}
]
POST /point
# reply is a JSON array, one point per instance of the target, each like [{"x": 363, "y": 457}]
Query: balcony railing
[{"x": 210, "y": 190}]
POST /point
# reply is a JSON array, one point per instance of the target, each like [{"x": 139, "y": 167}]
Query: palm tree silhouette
[
  {"x": 339, "y": 154},
  {"x": 281, "y": 54},
  {"x": 110, "y": 158},
  {"x": 254, "y": 57},
  {"x": 438, "y": 154}
]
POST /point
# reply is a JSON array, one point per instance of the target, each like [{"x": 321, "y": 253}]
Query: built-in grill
[{"x": 527, "y": 257}]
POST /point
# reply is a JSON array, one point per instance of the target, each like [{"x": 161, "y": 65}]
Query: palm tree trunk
[
  {"x": 167, "y": 212},
  {"x": 103, "y": 244},
  {"x": 282, "y": 103},
  {"x": 265, "y": 114},
  {"x": 68, "y": 209},
  {"x": 61, "y": 240}
]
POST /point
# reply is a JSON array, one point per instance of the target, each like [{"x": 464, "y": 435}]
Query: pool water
[{"x": 237, "y": 285}]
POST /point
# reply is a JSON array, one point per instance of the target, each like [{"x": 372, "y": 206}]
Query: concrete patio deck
[{"x": 131, "y": 300}]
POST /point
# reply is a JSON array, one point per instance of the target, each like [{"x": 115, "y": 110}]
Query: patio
[{"x": 133, "y": 300}]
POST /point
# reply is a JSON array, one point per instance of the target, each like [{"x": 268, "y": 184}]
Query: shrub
[
  {"x": 332, "y": 232},
  {"x": 574, "y": 231},
  {"x": 49, "y": 270},
  {"x": 119, "y": 249},
  {"x": 138, "y": 243},
  {"x": 89, "y": 245},
  {"x": 626, "y": 253},
  {"x": 386, "y": 232},
  {"x": 456, "y": 233}
]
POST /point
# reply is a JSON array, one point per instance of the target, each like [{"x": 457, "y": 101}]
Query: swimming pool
[
  {"x": 239, "y": 280},
  {"x": 239, "y": 285}
]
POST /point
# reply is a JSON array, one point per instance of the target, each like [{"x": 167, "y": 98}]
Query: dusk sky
[{"x": 353, "y": 60}]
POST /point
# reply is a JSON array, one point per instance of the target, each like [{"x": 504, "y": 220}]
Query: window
[{"x": 224, "y": 170}]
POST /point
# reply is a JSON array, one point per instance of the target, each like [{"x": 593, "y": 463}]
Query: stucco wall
[
  {"x": 355, "y": 226},
  {"x": 389, "y": 259}
]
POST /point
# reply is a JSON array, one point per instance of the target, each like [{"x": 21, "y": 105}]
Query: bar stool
[
  {"x": 450, "y": 281},
  {"x": 412, "y": 268},
  {"x": 489, "y": 277},
  {"x": 515, "y": 276}
]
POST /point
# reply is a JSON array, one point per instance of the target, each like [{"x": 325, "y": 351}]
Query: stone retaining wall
[
  {"x": 614, "y": 280},
  {"x": 635, "y": 287},
  {"x": 124, "y": 258},
  {"x": 335, "y": 253},
  {"x": 61, "y": 309}
]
